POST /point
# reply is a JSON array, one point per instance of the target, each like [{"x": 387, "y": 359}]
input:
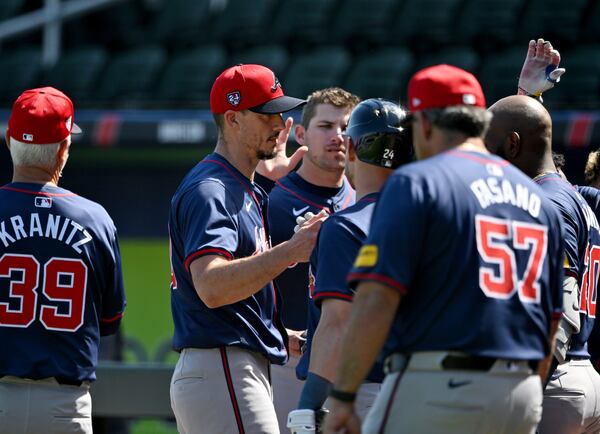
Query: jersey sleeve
[
  {"x": 207, "y": 222},
  {"x": 113, "y": 294},
  {"x": 391, "y": 253},
  {"x": 557, "y": 272},
  {"x": 571, "y": 230},
  {"x": 338, "y": 248}
]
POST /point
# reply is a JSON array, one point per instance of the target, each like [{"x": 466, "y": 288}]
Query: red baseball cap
[
  {"x": 442, "y": 86},
  {"x": 250, "y": 87},
  {"x": 42, "y": 116}
]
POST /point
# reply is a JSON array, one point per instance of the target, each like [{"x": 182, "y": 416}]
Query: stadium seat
[
  {"x": 381, "y": 74},
  {"x": 181, "y": 23},
  {"x": 499, "y": 73},
  {"x": 558, "y": 21},
  {"x": 580, "y": 86},
  {"x": 317, "y": 69},
  {"x": 303, "y": 22},
  {"x": 10, "y": 8},
  {"x": 463, "y": 57},
  {"x": 189, "y": 76},
  {"x": 130, "y": 75},
  {"x": 489, "y": 23},
  {"x": 77, "y": 71},
  {"x": 422, "y": 23},
  {"x": 21, "y": 70},
  {"x": 243, "y": 23},
  {"x": 275, "y": 57},
  {"x": 363, "y": 21}
]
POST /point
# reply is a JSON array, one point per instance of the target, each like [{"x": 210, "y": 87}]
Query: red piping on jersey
[
  {"x": 379, "y": 278},
  {"x": 571, "y": 273},
  {"x": 113, "y": 319},
  {"x": 556, "y": 315},
  {"x": 303, "y": 199},
  {"x": 389, "y": 404},
  {"x": 347, "y": 200},
  {"x": 36, "y": 193},
  {"x": 202, "y": 252},
  {"x": 481, "y": 160},
  {"x": 234, "y": 403},
  {"x": 331, "y": 294}
]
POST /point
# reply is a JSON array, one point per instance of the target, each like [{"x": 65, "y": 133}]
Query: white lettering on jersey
[
  {"x": 491, "y": 191},
  {"x": 51, "y": 228}
]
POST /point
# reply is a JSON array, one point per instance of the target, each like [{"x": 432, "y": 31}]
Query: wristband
[
  {"x": 314, "y": 393},
  {"x": 342, "y": 396}
]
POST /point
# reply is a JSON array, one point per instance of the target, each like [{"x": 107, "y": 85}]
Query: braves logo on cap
[
  {"x": 234, "y": 98},
  {"x": 276, "y": 84}
]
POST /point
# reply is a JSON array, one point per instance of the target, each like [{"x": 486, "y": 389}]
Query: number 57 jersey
[
  {"x": 476, "y": 250},
  {"x": 60, "y": 282}
]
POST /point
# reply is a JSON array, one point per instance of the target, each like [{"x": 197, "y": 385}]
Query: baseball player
[
  {"x": 449, "y": 240},
  {"x": 225, "y": 309},
  {"x": 521, "y": 130},
  {"x": 319, "y": 184},
  {"x": 377, "y": 145},
  {"x": 60, "y": 276}
]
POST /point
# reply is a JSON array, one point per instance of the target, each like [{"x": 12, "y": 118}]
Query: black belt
[
  {"x": 60, "y": 380},
  {"x": 452, "y": 362}
]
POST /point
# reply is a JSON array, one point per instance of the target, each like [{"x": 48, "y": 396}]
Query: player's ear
[
  {"x": 512, "y": 145},
  {"x": 351, "y": 150},
  {"x": 230, "y": 119},
  {"x": 425, "y": 125},
  {"x": 299, "y": 132}
]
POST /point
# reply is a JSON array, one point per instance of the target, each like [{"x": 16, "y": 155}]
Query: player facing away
[
  {"x": 459, "y": 234},
  {"x": 521, "y": 131},
  {"x": 225, "y": 309},
  {"x": 319, "y": 184},
  {"x": 377, "y": 144},
  {"x": 61, "y": 286}
]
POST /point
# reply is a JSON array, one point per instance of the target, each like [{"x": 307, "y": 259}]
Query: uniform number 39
[
  {"x": 497, "y": 240},
  {"x": 63, "y": 280}
]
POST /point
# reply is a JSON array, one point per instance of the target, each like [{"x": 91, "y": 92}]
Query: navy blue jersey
[
  {"x": 475, "y": 248},
  {"x": 292, "y": 197},
  {"x": 582, "y": 251},
  {"x": 217, "y": 211},
  {"x": 61, "y": 285},
  {"x": 340, "y": 238}
]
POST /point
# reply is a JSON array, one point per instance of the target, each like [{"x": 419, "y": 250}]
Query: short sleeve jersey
[
  {"x": 218, "y": 211},
  {"x": 292, "y": 197},
  {"x": 339, "y": 241},
  {"x": 582, "y": 251},
  {"x": 61, "y": 284},
  {"x": 475, "y": 248}
]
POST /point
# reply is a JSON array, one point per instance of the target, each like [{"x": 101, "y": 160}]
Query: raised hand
[
  {"x": 540, "y": 70},
  {"x": 281, "y": 164}
]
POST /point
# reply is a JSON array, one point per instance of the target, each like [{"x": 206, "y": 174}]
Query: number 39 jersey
[
  {"x": 475, "y": 248},
  {"x": 60, "y": 282}
]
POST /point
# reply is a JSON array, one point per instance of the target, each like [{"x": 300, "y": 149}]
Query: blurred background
[{"x": 140, "y": 72}]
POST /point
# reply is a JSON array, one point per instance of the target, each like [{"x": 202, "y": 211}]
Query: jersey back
[
  {"x": 292, "y": 197},
  {"x": 218, "y": 211},
  {"x": 339, "y": 241},
  {"x": 61, "y": 284},
  {"x": 582, "y": 251},
  {"x": 475, "y": 248}
]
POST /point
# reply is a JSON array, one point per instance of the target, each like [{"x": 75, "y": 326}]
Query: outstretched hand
[
  {"x": 540, "y": 70},
  {"x": 281, "y": 164}
]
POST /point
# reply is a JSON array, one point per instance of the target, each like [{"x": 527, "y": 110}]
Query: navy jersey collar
[{"x": 315, "y": 189}]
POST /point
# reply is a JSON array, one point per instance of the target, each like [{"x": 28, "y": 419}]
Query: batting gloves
[{"x": 540, "y": 71}]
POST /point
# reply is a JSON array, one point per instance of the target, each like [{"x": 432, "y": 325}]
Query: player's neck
[
  {"x": 541, "y": 166},
  {"x": 238, "y": 159},
  {"x": 317, "y": 176},
  {"x": 370, "y": 179},
  {"x": 35, "y": 175}
]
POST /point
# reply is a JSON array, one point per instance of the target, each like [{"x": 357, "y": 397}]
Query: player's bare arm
[
  {"x": 220, "y": 282},
  {"x": 373, "y": 311},
  {"x": 327, "y": 339},
  {"x": 281, "y": 164}
]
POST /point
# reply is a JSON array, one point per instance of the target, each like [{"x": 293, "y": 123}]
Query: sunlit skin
[
  {"x": 325, "y": 160},
  {"x": 259, "y": 132}
]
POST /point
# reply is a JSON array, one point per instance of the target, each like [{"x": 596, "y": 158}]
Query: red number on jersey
[
  {"x": 496, "y": 241},
  {"x": 23, "y": 289},
  {"x": 64, "y": 280},
  {"x": 590, "y": 281}
]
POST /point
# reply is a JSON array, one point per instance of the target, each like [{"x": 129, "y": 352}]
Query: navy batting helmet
[{"x": 378, "y": 135}]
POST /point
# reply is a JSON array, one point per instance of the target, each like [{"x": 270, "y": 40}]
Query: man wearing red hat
[
  {"x": 459, "y": 282},
  {"x": 225, "y": 309},
  {"x": 61, "y": 286}
]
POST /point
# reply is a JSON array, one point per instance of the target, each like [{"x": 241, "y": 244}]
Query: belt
[
  {"x": 398, "y": 362},
  {"x": 60, "y": 380}
]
